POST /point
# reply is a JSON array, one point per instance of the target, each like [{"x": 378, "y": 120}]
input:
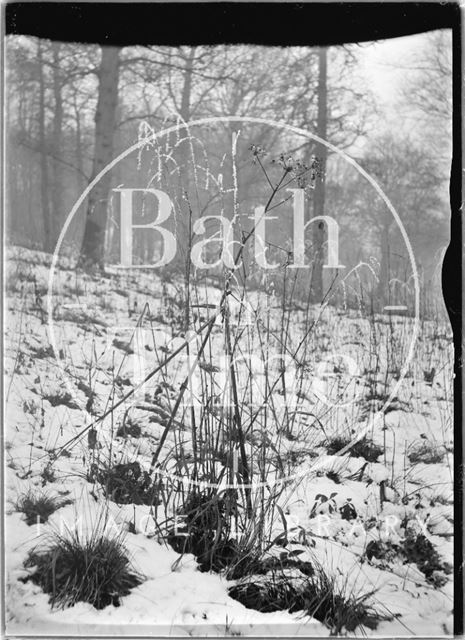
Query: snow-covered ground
[{"x": 72, "y": 356}]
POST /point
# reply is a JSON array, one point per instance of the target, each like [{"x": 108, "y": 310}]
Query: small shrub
[
  {"x": 386, "y": 551},
  {"x": 420, "y": 550},
  {"x": 426, "y": 452},
  {"x": 60, "y": 398},
  {"x": 126, "y": 483},
  {"x": 323, "y": 599},
  {"x": 367, "y": 449},
  {"x": 363, "y": 448},
  {"x": 269, "y": 593},
  {"x": 43, "y": 352},
  {"x": 38, "y": 507},
  {"x": 413, "y": 549},
  {"x": 71, "y": 570},
  {"x": 314, "y": 592},
  {"x": 202, "y": 529}
]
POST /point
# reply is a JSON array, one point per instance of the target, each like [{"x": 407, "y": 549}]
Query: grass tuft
[
  {"x": 426, "y": 452},
  {"x": 202, "y": 529},
  {"x": 314, "y": 592},
  {"x": 38, "y": 506},
  {"x": 363, "y": 448},
  {"x": 335, "y": 606},
  {"x": 95, "y": 570}
]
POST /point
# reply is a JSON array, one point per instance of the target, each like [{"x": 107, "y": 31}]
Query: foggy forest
[{"x": 228, "y": 361}]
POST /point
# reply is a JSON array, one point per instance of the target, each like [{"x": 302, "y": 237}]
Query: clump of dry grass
[
  {"x": 72, "y": 569},
  {"x": 202, "y": 529},
  {"x": 426, "y": 452},
  {"x": 38, "y": 506},
  {"x": 363, "y": 448},
  {"x": 314, "y": 592}
]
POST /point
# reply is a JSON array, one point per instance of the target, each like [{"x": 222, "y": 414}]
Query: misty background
[{"x": 71, "y": 108}]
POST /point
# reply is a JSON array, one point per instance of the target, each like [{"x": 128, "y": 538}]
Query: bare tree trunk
[
  {"x": 58, "y": 185},
  {"x": 318, "y": 228},
  {"x": 92, "y": 252},
  {"x": 187, "y": 87},
  {"x": 79, "y": 154},
  {"x": 44, "y": 179},
  {"x": 184, "y": 157}
]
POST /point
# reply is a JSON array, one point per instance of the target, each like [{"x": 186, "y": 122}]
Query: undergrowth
[
  {"x": 363, "y": 448},
  {"x": 125, "y": 483},
  {"x": 315, "y": 593},
  {"x": 38, "y": 506},
  {"x": 72, "y": 569},
  {"x": 412, "y": 549}
]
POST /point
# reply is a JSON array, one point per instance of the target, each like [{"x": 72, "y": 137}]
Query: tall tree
[
  {"x": 57, "y": 141},
  {"x": 410, "y": 177},
  {"x": 44, "y": 79},
  {"x": 44, "y": 183},
  {"x": 105, "y": 121},
  {"x": 318, "y": 228},
  {"x": 428, "y": 79}
]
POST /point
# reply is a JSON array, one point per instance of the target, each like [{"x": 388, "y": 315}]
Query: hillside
[{"x": 270, "y": 468}]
